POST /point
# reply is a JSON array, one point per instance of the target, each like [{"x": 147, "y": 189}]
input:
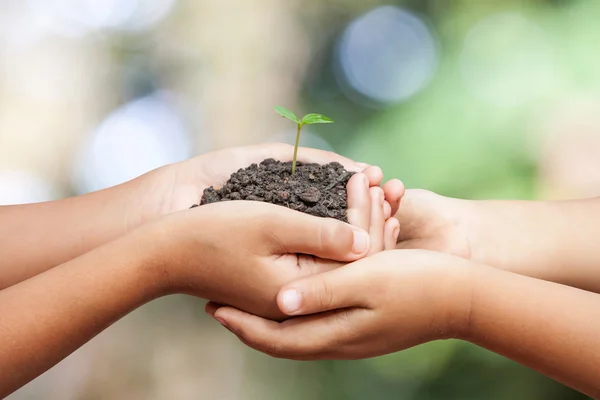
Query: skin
[
  {"x": 250, "y": 251},
  {"x": 398, "y": 299},
  {"x": 530, "y": 309},
  {"x": 35, "y": 238},
  {"x": 47, "y": 317},
  {"x": 533, "y": 238}
]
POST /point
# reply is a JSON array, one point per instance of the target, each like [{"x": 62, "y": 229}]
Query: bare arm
[
  {"x": 34, "y": 238},
  {"x": 548, "y": 327},
  {"x": 555, "y": 241},
  {"x": 45, "y": 318}
]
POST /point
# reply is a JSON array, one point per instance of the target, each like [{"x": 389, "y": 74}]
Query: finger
[
  {"x": 211, "y": 307},
  {"x": 387, "y": 210},
  {"x": 285, "y": 152},
  {"x": 374, "y": 175},
  {"x": 376, "y": 228},
  {"x": 391, "y": 233},
  {"x": 303, "y": 338},
  {"x": 294, "y": 232},
  {"x": 359, "y": 201},
  {"x": 394, "y": 190},
  {"x": 325, "y": 292}
]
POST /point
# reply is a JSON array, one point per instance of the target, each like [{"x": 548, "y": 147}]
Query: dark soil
[{"x": 315, "y": 189}]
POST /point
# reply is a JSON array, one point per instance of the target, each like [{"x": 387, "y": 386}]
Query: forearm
[
  {"x": 548, "y": 327},
  {"x": 45, "y": 318},
  {"x": 554, "y": 241},
  {"x": 36, "y": 237}
]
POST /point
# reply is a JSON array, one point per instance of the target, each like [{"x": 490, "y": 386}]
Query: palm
[
  {"x": 432, "y": 222},
  {"x": 179, "y": 186}
]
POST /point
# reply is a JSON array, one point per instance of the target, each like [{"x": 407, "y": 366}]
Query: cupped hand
[
  {"x": 432, "y": 222},
  {"x": 178, "y": 186},
  {"x": 240, "y": 253},
  {"x": 378, "y": 305}
]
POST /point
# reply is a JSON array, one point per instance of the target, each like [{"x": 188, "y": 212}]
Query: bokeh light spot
[
  {"x": 387, "y": 55},
  {"x": 137, "y": 138}
]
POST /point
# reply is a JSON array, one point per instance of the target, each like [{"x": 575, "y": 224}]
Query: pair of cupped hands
[{"x": 296, "y": 286}]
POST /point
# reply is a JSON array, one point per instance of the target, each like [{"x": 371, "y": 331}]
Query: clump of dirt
[{"x": 315, "y": 189}]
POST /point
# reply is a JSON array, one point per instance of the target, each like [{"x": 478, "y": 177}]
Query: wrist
[
  {"x": 143, "y": 204},
  {"x": 170, "y": 267},
  {"x": 151, "y": 265},
  {"x": 510, "y": 234},
  {"x": 476, "y": 217},
  {"x": 162, "y": 191},
  {"x": 455, "y": 301},
  {"x": 123, "y": 207}
]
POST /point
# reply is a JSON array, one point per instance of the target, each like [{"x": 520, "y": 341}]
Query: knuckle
[
  {"x": 269, "y": 233},
  {"x": 345, "y": 331},
  {"x": 342, "y": 320},
  {"x": 325, "y": 298},
  {"x": 324, "y": 232},
  {"x": 335, "y": 236}
]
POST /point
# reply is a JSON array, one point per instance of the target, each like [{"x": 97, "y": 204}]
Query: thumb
[
  {"x": 326, "y": 238},
  {"x": 336, "y": 289}
]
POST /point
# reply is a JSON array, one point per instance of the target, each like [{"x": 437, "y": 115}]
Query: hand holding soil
[
  {"x": 318, "y": 190},
  {"x": 178, "y": 186},
  {"x": 92, "y": 268},
  {"x": 241, "y": 253}
]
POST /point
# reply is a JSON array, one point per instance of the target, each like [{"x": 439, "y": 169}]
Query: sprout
[{"x": 308, "y": 119}]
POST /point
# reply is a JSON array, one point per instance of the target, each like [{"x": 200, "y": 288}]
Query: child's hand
[
  {"x": 381, "y": 304},
  {"x": 176, "y": 187},
  {"x": 432, "y": 222},
  {"x": 383, "y": 228},
  {"x": 241, "y": 253}
]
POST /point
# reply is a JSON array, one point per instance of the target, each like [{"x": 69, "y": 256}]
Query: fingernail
[
  {"x": 363, "y": 165},
  {"x": 291, "y": 301},
  {"x": 222, "y": 322},
  {"x": 361, "y": 242}
]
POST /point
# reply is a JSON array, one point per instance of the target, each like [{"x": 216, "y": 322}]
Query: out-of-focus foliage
[{"x": 473, "y": 132}]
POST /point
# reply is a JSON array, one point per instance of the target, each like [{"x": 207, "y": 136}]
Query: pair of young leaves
[{"x": 308, "y": 119}]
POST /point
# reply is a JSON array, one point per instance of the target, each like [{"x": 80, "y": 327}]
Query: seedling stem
[{"x": 308, "y": 119}]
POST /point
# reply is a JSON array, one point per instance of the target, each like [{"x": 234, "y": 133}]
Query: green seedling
[{"x": 308, "y": 119}]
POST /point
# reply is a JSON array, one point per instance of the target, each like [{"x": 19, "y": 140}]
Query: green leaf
[
  {"x": 285, "y": 113},
  {"x": 310, "y": 119}
]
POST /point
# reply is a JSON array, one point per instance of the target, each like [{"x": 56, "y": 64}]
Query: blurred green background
[{"x": 469, "y": 98}]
